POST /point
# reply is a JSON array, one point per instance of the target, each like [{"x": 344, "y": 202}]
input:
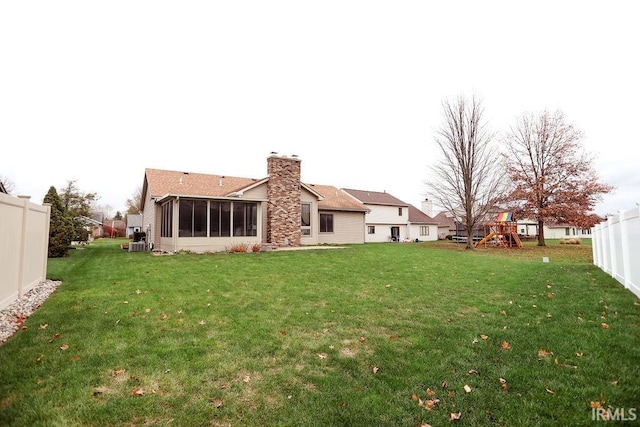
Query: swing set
[{"x": 502, "y": 233}]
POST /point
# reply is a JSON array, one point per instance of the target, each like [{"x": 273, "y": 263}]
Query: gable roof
[
  {"x": 416, "y": 216},
  {"x": 336, "y": 199},
  {"x": 444, "y": 219},
  {"x": 160, "y": 183},
  {"x": 375, "y": 197}
]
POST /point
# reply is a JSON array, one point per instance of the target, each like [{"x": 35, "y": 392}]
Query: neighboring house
[
  {"x": 529, "y": 228},
  {"x": 391, "y": 219},
  {"x": 388, "y": 217},
  {"x": 93, "y": 226},
  {"x": 209, "y": 213},
  {"x": 446, "y": 224},
  {"x": 134, "y": 224},
  {"x": 421, "y": 226}
]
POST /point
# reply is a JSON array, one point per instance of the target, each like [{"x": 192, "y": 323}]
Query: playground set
[{"x": 502, "y": 233}]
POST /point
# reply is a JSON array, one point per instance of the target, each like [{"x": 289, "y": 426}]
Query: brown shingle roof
[
  {"x": 416, "y": 216},
  {"x": 161, "y": 182},
  {"x": 336, "y": 199},
  {"x": 375, "y": 197}
]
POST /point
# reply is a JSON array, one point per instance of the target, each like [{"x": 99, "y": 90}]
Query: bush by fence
[
  {"x": 616, "y": 248},
  {"x": 24, "y": 240}
]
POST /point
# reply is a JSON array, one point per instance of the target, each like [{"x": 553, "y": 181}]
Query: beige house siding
[
  {"x": 348, "y": 227},
  {"x": 278, "y": 198}
]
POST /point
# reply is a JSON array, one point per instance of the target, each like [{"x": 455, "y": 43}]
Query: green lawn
[{"x": 371, "y": 335}]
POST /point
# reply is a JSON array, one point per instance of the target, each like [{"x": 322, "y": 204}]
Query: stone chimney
[
  {"x": 283, "y": 207},
  {"x": 427, "y": 207}
]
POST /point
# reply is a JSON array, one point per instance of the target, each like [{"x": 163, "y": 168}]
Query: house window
[
  {"x": 192, "y": 218},
  {"x": 399, "y": 211},
  {"x": 424, "y": 230},
  {"x": 305, "y": 221},
  {"x": 220, "y": 219},
  {"x": 326, "y": 223},
  {"x": 371, "y": 229},
  {"x": 245, "y": 219},
  {"x": 166, "y": 220},
  {"x": 567, "y": 231}
]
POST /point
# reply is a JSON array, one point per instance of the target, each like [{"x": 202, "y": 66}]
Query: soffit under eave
[{"x": 190, "y": 196}]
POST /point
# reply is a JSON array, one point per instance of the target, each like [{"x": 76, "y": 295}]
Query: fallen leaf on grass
[
  {"x": 64, "y": 347},
  {"x": 117, "y": 372},
  {"x": 472, "y": 372},
  {"x": 414, "y": 396},
  {"x": 430, "y": 392},
  {"x": 217, "y": 402},
  {"x": 137, "y": 392},
  {"x": 505, "y": 345},
  {"x": 75, "y": 358},
  {"x": 467, "y": 388},
  {"x": 246, "y": 379},
  {"x": 40, "y": 358},
  {"x": 375, "y": 369},
  {"x": 549, "y": 294},
  {"x": 604, "y": 325},
  {"x": 504, "y": 313},
  {"x": 580, "y": 354},
  {"x": 544, "y": 353},
  {"x": 503, "y": 384},
  {"x": 484, "y": 337},
  {"x": 455, "y": 416},
  {"x": 430, "y": 404},
  {"x": 323, "y": 355},
  {"x": 549, "y": 391},
  {"x": 55, "y": 337},
  {"x": 44, "y": 326},
  {"x": 616, "y": 382}
]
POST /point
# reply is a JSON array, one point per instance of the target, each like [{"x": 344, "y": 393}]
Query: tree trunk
[
  {"x": 541, "y": 233},
  {"x": 470, "y": 234}
]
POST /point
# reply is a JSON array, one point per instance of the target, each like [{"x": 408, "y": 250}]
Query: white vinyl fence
[
  {"x": 24, "y": 243},
  {"x": 616, "y": 248}
]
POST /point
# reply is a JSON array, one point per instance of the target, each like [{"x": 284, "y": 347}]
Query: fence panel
[
  {"x": 616, "y": 248},
  {"x": 24, "y": 241}
]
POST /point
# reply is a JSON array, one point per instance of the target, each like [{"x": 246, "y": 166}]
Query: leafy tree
[
  {"x": 118, "y": 215},
  {"x": 77, "y": 204},
  {"x": 553, "y": 178},
  {"x": 61, "y": 226},
  {"x": 467, "y": 180},
  {"x": 134, "y": 204}
]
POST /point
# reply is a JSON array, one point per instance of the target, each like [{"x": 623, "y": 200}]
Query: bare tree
[
  {"x": 552, "y": 177},
  {"x": 7, "y": 184},
  {"x": 134, "y": 204},
  {"x": 466, "y": 181}
]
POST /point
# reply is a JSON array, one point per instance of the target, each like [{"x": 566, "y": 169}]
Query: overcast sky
[{"x": 98, "y": 91}]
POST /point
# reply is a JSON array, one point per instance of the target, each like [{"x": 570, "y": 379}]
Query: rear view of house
[{"x": 209, "y": 213}]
